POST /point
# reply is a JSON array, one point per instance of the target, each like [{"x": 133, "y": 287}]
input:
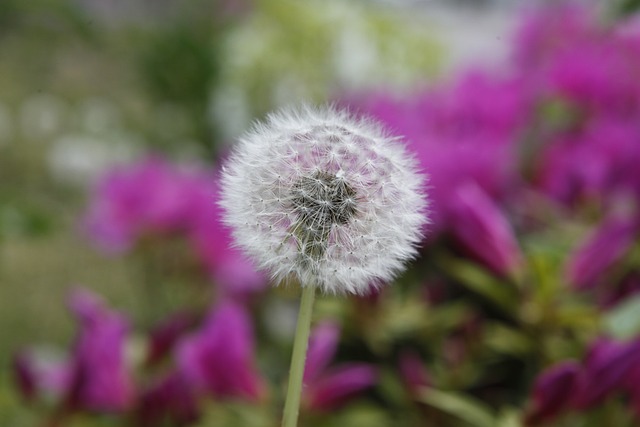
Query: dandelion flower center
[{"x": 320, "y": 201}]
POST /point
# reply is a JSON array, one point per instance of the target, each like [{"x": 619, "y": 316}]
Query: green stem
[{"x": 294, "y": 390}]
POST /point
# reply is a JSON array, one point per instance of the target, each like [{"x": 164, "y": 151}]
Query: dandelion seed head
[{"x": 324, "y": 198}]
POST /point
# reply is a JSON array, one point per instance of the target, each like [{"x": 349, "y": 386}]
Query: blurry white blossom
[
  {"x": 321, "y": 197},
  {"x": 42, "y": 116},
  {"x": 78, "y": 159},
  {"x": 99, "y": 116}
]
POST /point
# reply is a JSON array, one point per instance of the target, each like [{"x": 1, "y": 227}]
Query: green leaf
[
  {"x": 465, "y": 408},
  {"x": 509, "y": 418},
  {"x": 480, "y": 281},
  {"x": 624, "y": 320},
  {"x": 507, "y": 340}
]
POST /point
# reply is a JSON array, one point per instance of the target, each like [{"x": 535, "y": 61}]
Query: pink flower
[
  {"x": 461, "y": 132},
  {"x": 37, "y": 374},
  {"x": 603, "y": 249},
  {"x": 96, "y": 376},
  {"x": 164, "y": 336},
  {"x": 328, "y": 388},
  {"x": 553, "y": 392},
  {"x": 158, "y": 198},
  {"x": 100, "y": 378},
  {"x": 545, "y": 30},
  {"x": 219, "y": 359},
  {"x": 227, "y": 265},
  {"x": 150, "y": 197},
  {"x": 413, "y": 372},
  {"x": 482, "y": 229},
  {"x": 168, "y": 401},
  {"x": 596, "y": 163},
  {"x": 607, "y": 368}
]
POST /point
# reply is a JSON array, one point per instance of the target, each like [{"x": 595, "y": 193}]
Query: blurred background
[{"x": 118, "y": 292}]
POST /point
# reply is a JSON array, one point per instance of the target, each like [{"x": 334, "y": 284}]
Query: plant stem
[{"x": 301, "y": 340}]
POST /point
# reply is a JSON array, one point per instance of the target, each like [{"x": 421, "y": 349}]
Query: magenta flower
[
  {"x": 150, "y": 197},
  {"x": 413, "y": 373},
  {"x": 164, "y": 336},
  {"x": 628, "y": 286},
  {"x": 570, "y": 57},
  {"x": 328, "y": 388},
  {"x": 553, "y": 392},
  {"x": 482, "y": 229},
  {"x": 597, "y": 163},
  {"x": 168, "y": 401},
  {"x": 219, "y": 359},
  {"x": 607, "y": 368},
  {"x": 158, "y": 198},
  {"x": 227, "y": 265},
  {"x": 38, "y": 375},
  {"x": 100, "y": 378},
  {"x": 602, "y": 250},
  {"x": 545, "y": 30},
  {"x": 459, "y": 136},
  {"x": 95, "y": 377}
]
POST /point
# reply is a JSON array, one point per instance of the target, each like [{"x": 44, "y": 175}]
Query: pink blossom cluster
[
  {"x": 558, "y": 129},
  {"x": 610, "y": 367},
  {"x": 155, "y": 198},
  {"x": 185, "y": 363}
]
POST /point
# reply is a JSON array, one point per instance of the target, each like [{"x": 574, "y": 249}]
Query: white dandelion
[{"x": 324, "y": 198}]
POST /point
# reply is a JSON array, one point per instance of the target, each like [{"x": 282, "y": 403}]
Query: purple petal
[
  {"x": 553, "y": 392},
  {"x": 479, "y": 225},
  {"x": 608, "y": 366},
  {"x": 163, "y": 337},
  {"x": 38, "y": 375},
  {"x": 322, "y": 347},
  {"x": 606, "y": 246},
  {"x": 336, "y": 387},
  {"x": 169, "y": 401},
  {"x": 100, "y": 378},
  {"x": 220, "y": 358},
  {"x": 413, "y": 372}
]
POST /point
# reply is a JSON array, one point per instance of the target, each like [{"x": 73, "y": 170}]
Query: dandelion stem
[{"x": 296, "y": 372}]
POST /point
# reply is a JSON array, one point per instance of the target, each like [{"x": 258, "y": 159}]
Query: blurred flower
[
  {"x": 38, "y": 374},
  {"x": 327, "y": 388},
  {"x": 332, "y": 201},
  {"x": 567, "y": 54},
  {"x": 42, "y": 116},
  {"x": 150, "y": 197},
  {"x": 24, "y": 375},
  {"x": 95, "y": 376},
  {"x": 603, "y": 249},
  {"x": 596, "y": 163},
  {"x": 80, "y": 158},
  {"x": 413, "y": 372},
  {"x": 553, "y": 392},
  {"x": 168, "y": 401},
  {"x": 544, "y": 30},
  {"x": 627, "y": 287},
  {"x": 155, "y": 197},
  {"x": 228, "y": 267},
  {"x": 460, "y": 136},
  {"x": 481, "y": 228},
  {"x": 164, "y": 336},
  {"x": 219, "y": 359},
  {"x": 100, "y": 378},
  {"x": 607, "y": 368}
]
